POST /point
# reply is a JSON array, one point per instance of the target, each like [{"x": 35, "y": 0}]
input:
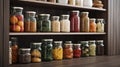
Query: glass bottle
[
  {"x": 74, "y": 21},
  {"x": 55, "y": 24},
  {"x": 14, "y": 49},
  {"x": 65, "y": 23},
  {"x": 76, "y": 51},
  {"x": 57, "y": 50},
  {"x": 87, "y": 3},
  {"x": 92, "y": 48},
  {"x": 24, "y": 55},
  {"x": 99, "y": 47},
  {"x": 44, "y": 24},
  {"x": 10, "y": 53},
  {"x": 84, "y": 22},
  {"x": 30, "y": 22},
  {"x": 17, "y": 20},
  {"x": 36, "y": 52},
  {"x": 67, "y": 50},
  {"x": 85, "y": 48},
  {"x": 92, "y": 25},
  {"x": 100, "y": 25},
  {"x": 47, "y": 49},
  {"x": 79, "y": 3}
]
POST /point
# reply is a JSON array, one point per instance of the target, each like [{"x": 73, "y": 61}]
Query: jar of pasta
[
  {"x": 76, "y": 50},
  {"x": 92, "y": 48},
  {"x": 85, "y": 48},
  {"x": 57, "y": 50},
  {"x": 92, "y": 25}
]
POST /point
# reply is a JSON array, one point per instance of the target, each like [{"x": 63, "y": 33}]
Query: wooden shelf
[
  {"x": 61, "y": 5},
  {"x": 71, "y": 33}
]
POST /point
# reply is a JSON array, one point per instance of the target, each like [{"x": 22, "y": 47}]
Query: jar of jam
[
  {"x": 85, "y": 48},
  {"x": 24, "y": 55},
  {"x": 92, "y": 25},
  {"x": 99, "y": 47},
  {"x": 30, "y": 22},
  {"x": 76, "y": 51},
  {"x": 47, "y": 49},
  {"x": 68, "y": 50},
  {"x": 74, "y": 21},
  {"x": 36, "y": 52},
  {"x": 17, "y": 20},
  {"x": 92, "y": 48}
]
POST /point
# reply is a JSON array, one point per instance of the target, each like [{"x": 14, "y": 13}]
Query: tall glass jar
[
  {"x": 14, "y": 48},
  {"x": 55, "y": 24},
  {"x": 30, "y": 22},
  {"x": 74, "y": 21},
  {"x": 84, "y": 22},
  {"x": 65, "y": 23},
  {"x": 17, "y": 20},
  {"x": 57, "y": 50},
  {"x": 68, "y": 50},
  {"x": 99, "y": 47},
  {"x": 92, "y": 48},
  {"x": 44, "y": 24},
  {"x": 76, "y": 50},
  {"x": 36, "y": 52},
  {"x": 79, "y": 3},
  {"x": 100, "y": 25},
  {"x": 92, "y": 25},
  {"x": 85, "y": 48},
  {"x": 47, "y": 49},
  {"x": 88, "y": 3}
]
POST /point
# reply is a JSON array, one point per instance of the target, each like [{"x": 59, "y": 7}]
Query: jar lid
[
  {"x": 84, "y": 42},
  {"x": 18, "y": 8},
  {"x": 99, "y": 41},
  {"x": 25, "y": 49},
  {"x": 47, "y": 39},
  {"x": 92, "y": 19},
  {"x": 85, "y": 12},
  {"x": 55, "y": 17},
  {"x": 31, "y": 12},
  {"x": 77, "y": 44},
  {"x": 44, "y": 14},
  {"x": 65, "y": 15},
  {"x": 100, "y": 19},
  {"x": 39, "y": 43},
  {"x": 75, "y": 11},
  {"x": 92, "y": 41},
  {"x": 57, "y": 41},
  {"x": 69, "y": 42}
]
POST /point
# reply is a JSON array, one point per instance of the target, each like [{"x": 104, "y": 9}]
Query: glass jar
[
  {"x": 24, "y": 55},
  {"x": 67, "y": 50},
  {"x": 71, "y": 2},
  {"x": 99, "y": 47},
  {"x": 53, "y": 1},
  {"x": 92, "y": 25},
  {"x": 36, "y": 52},
  {"x": 46, "y": 49},
  {"x": 85, "y": 48},
  {"x": 10, "y": 53},
  {"x": 74, "y": 21},
  {"x": 14, "y": 48},
  {"x": 100, "y": 25},
  {"x": 84, "y": 22},
  {"x": 55, "y": 24},
  {"x": 57, "y": 50},
  {"x": 76, "y": 51},
  {"x": 62, "y": 1},
  {"x": 87, "y": 3},
  {"x": 92, "y": 48},
  {"x": 79, "y": 3},
  {"x": 17, "y": 20},
  {"x": 44, "y": 24},
  {"x": 30, "y": 22},
  {"x": 65, "y": 23}
]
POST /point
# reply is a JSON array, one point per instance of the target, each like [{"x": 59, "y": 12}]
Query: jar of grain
[
  {"x": 79, "y": 3},
  {"x": 65, "y": 23},
  {"x": 30, "y": 22},
  {"x": 92, "y": 25},
  {"x": 71, "y": 2},
  {"x": 55, "y": 24},
  {"x": 100, "y": 25}
]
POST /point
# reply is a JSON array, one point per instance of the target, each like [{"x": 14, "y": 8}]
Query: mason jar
[
  {"x": 100, "y": 25},
  {"x": 92, "y": 48},
  {"x": 100, "y": 47},
  {"x": 76, "y": 50},
  {"x": 92, "y": 25}
]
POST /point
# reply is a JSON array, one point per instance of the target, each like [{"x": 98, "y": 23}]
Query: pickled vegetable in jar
[
  {"x": 67, "y": 50},
  {"x": 76, "y": 51},
  {"x": 30, "y": 22},
  {"x": 57, "y": 50},
  {"x": 46, "y": 51},
  {"x": 85, "y": 48},
  {"x": 92, "y": 48},
  {"x": 36, "y": 52},
  {"x": 92, "y": 25},
  {"x": 99, "y": 47},
  {"x": 55, "y": 24},
  {"x": 100, "y": 25},
  {"x": 17, "y": 20}
]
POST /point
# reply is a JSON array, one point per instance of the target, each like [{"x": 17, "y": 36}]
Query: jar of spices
[
  {"x": 74, "y": 21},
  {"x": 53, "y": 1},
  {"x": 92, "y": 25},
  {"x": 57, "y": 50},
  {"x": 46, "y": 51},
  {"x": 62, "y": 1},
  {"x": 17, "y": 20},
  {"x": 100, "y": 25},
  {"x": 65, "y": 23},
  {"x": 71, "y": 2},
  {"x": 87, "y": 3},
  {"x": 10, "y": 53},
  {"x": 76, "y": 51},
  {"x": 44, "y": 24},
  {"x": 24, "y": 55},
  {"x": 36, "y": 52},
  {"x": 67, "y": 50},
  {"x": 79, "y": 3},
  {"x": 55, "y": 24},
  {"x": 30, "y": 22},
  {"x": 99, "y": 47},
  {"x": 84, "y": 22},
  {"x": 14, "y": 48},
  {"x": 85, "y": 48},
  {"x": 92, "y": 48}
]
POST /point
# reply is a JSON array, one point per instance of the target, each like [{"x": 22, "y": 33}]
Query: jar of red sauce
[{"x": 76, "y": 50}]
